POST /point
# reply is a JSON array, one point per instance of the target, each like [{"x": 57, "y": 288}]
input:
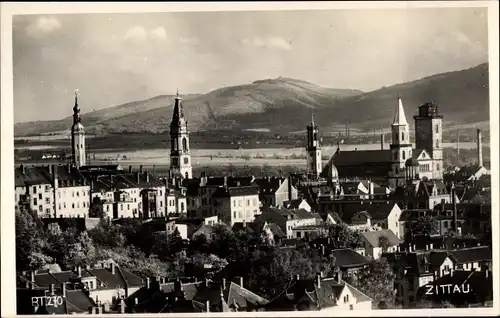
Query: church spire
[
  {"x": 76, "y": 109},
  {"x": 400, "y": 117},
  {"x": 312, "y": 119}
]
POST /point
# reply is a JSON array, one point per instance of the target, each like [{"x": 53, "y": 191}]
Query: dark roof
[
  {"x": 479, "y": 285},
  {"x": 121, "y": 278},
  {"x": 373, "y": 237},
  {"x": 76, "y": 301},
  {"x": 31, "y": 175},
  {"x": 354, "y": 157},
  {"x": 276, "y": 230},
  {"x": 377, "y": 211},
  {"x": 269, "y": 185},
  {"x": 346, "y": 257},
  {"x": 472, "y": 254},
  {"x": 293, "y": 204},
  {"x": 228, "y": 192},
  {"x": 114, "y": 167}
]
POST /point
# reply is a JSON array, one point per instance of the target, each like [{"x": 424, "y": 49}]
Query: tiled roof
[
  {"x": 472, "y": 254},
  {"x": 307, "y": 295},
  {"x": 480, "y": 286},
  {"x": 76, "y": 301},
  {"x": 377, "y": 211},
  {"x": 235, "y": 191},
  {"x": 269, "y": 185},
  {"x": 347, "y": 257},
  {"x": 373, "y": 237},
  {"x": 31, "y": 175},
  {"x": 294, "y": 204},
  {"x": 276, "y": 230}
]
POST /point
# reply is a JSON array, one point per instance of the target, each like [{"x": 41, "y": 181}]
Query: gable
[{"x": 422, "y": 155}]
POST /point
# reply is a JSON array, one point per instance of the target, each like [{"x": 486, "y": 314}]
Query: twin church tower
[{"x": 180, "y": 153}]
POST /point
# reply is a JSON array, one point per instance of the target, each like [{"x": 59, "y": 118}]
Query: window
[
  {"x": 84, "y": 204},
  {"x": 34, "y": 201},
  {"x": 40, "y": 208},
  {"x": 72, "y": 205},
  {"x": 184, "y": 144},
  {"x": 65, "y": 205},
  {"x": 395, "y": 156},
  {"x": 47, "y": 200},
  {"x": 59, "y": 206},
  {"x": 77, "y": 193},
  {"x": 239, "y": 203},
  {"x": 346, "y": 298},
  {"x": 234, "y": 214},
  {"x": 248, "y": 202},
  {"x": 445, "y": 224},
  {"x": 40, "y": 196},
  {"x": 437, "y": 166},
  {"x": 121, "y": 207},
  {"x": 128, "y": 206},
  {"x": 437, "y": 143},
  {"x": 161, "y": 204},
  {"x": 59, "y": 194},
  {"x": 403, "y": 136},
  {"x": 34, "y": 189},
  {"x": 186, "y": 160},
  {"x": 437, "y": 128},
  {"x": 78, "y": 205},
  {"x": 47, "y": 188},
  {"x": 404, "y": 155}
]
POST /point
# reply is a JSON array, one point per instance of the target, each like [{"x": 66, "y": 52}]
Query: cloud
[
  {"x": 158, "y": 33},
  {"x": 137, "y": 33},
  {"x": 272, "y": 42},
  {"x": 189, "y": 40},
  {"x": 43, "y": 25}
]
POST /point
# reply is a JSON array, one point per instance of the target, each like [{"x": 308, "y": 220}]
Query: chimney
[
  {"x": 122, "y": 306},
  {"x": 318, "y": 280},
  {"x": 138, "y": 177},
  {"x": 63, "y": 287},
  {"x": 32, "y": 276},
  {"x": 297, "y": 277},
  {"x": 443, "y": 202},
  {"x": 329, "y": 240},
  {"x": 431, "y": 246},
  {"x": 208, "y": 305},
  {"x": 147, "y": 177},
  {"x": 339, "y": 277},
  {"x": 52, "y": 288},
  {"x": 141, "y": 169},
  {"x": 113, "y": 268},
  {"x": 479, "y": 148},
  {"x": 148, "y": 283},
  {"x": 290, "y": 188},
  {"x": 322, "y": 250},
  {"x": 426, "y": 247},
  {"x": 23, "y": 168},
  {"x": 454, "y": 201},
  {"x": 136, "y": 301},
  {"x": 414, "y": 247},
  {"x": 241, "y": 281},
  {"x": 225, "y": 181},
  {"x": 129, "y": 169},
  {"x": 224, "y": 283},
  {"x": 382, "y": 142},
  {"x": 79, "y": 269},
  {"x": 486, "y": 273}
]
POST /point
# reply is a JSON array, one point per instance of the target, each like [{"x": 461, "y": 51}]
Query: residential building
[
  {"x": 320, "y": 294},
  {"x": 288, "y": 220},
  {"x": 236, "y": 204},
  {"x": 373, "y": 242},
  {"x": 274, "y": 192},
  {"x": 34, "y": 190}
]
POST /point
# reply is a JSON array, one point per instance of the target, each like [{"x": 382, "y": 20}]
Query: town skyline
[{"x": 184, "y": 51}]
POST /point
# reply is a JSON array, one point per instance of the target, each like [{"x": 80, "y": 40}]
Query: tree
[
  {"x": 377, "y": 281},
  {"x": 107, "y": 234},
  {"x": 342, "y": 236},
  {"x": 96, "y": 208},
  {"x": 384, "y": 243},
  {"x": 271, "y": 273},
  {"x": 424, "y": 225},
  {"x": 31, "y": 241},
  {"x": 81, "y": 253}
]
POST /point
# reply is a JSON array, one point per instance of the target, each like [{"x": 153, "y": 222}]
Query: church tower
[
  {"x": 78, "y": 136},
  {"x": 180, "y": 153},
  {"x": 401, "y": 147},
  {"x": 313, "y": 150},
  {"x": 429, "y": 136}
]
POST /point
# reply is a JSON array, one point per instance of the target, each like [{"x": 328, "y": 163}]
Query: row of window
[
  {"x": 240, "y": 214},
  {"x": 239, "y": 202},
  {"x": 84, "y": 205}
]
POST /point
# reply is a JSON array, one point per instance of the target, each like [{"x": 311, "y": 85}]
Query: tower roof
[
  {"x": 76, "y": 110},
  {"x": 178, "y": 115},
  {"x": 400, "y": 117}
]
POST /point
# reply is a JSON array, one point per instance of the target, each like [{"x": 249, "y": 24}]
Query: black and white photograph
[{"x": 212, "y": 161}]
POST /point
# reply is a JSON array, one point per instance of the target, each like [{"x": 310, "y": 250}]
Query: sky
[{"x": 117, "y": 58}]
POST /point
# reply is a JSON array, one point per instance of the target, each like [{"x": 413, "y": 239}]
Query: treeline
[{"x": 266, "y": 267}]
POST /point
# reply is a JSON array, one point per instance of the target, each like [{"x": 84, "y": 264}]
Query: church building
[
  {"x": 180, "y": 153},
  {"x": 401, "y": 162},
  {"x": 77, "y": 137}
]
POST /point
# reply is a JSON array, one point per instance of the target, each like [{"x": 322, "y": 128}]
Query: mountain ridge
[{"x": 285, "y": 104}]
